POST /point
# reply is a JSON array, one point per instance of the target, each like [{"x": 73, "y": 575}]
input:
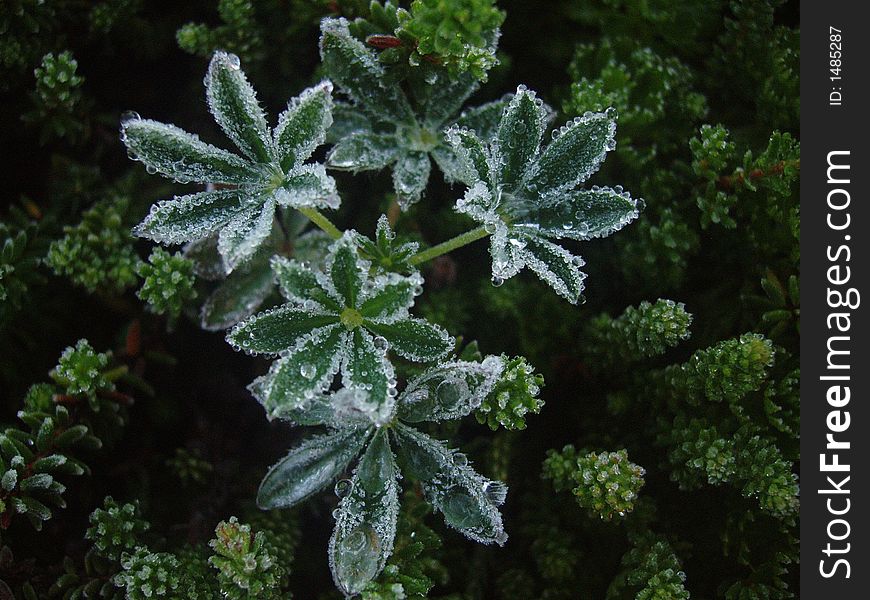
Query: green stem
[
  {"x": 316, "y": 217},
  {"x": 450, "y": 245}
]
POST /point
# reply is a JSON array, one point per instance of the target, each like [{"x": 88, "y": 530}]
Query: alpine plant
[{"x": 346, "y": 317}]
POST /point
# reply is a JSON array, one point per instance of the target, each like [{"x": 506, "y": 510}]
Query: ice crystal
[
  {"x": 271, "y": 173},
  {"x": 524, "y": 194}
]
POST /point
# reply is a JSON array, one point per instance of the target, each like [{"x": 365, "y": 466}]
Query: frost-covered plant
[
  {"x": 245, "y": 567},
  {"x": 383, "y": 126},
  {"x": 168, "y": 282},
  {"x": 270, "y": 174},
  {"x": 115, "y": 528},
  {"x": 524, "y": 195}
]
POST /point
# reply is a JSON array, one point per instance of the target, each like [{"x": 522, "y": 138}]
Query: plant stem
[
  {"x": 319, "y": 219},
  {"x": 450, "y": 245}
]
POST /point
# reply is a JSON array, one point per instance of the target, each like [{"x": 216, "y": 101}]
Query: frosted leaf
[
  {"x": 191, "y": 217},
  {"x": 182, "y": 156},
  {"x": 557, "y": 267},
  {"x": 446, "y": 96},
  {"x": 352, "y": 407},
  {"x": 303, "y": 124},
  {"x": 365, "y": 522},
  {"x": 244, "y": 234},
  {"x": 363, "y": 152},
  {"x": 312, "y": 247},
  {"x": 346, "y": 119},
  {"x": 277, "y": 329},
  {"x": 583, "y": 214},
  {"x": 519, "y": 134},
  {"x": 237, "y": 297},
  {"x": 410, "y": 176},
  {"x": 479, "y": 203},
  {"x": 506, "y": 251},
  {"x": 366, "y": 367},
  {"x": 308, "y": 185},
  {"x": 576, "y": 152},
  {"x": 451, "y": 166},
  {"x": 393, "y": 298},
  {"x": 472, "y": 155},
  {"x": 207, "y": 263},
  {"x": 450, "y": 390},
  {"x": 346, "y": 270},
  {"x": 414, "y": 339},
  {"x": 356, "y": 68},
  {"x": 299, "y": 284},
  {"x": 484, "y": 119},
  {"x": 308, "y": 468},
  {"x": 233, "y": 102},
  {"x": 452, "y": 487},
  {"x": 284, "y": 389}
]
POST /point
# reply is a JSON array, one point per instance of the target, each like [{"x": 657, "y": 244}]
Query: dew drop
[
  {"x": 308, "y": 371},
  {"x": 381, "y": 342},
  {"x": 460, "y": 460},
  {"x": 611, "y": 113},
  {"x": 489, "y": 227},
  {"x": 129, "y": 115},
  {"x": 234, "y": 62},
  {"x": 343, "y": 488},
  {"x": 497, "y": 281}
]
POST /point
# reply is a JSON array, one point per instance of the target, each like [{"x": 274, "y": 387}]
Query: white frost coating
[
  {"x": 365, "y": 521},
  {"x": 453, "y": 487},
  {"x": 519, "y": 134},
  {"x": 244, "y": 234},
  {"x": 303, "y": 125},
  {"x": 233, "y": 102},
  {"x": 390, "y": 297},
  {"x": 450, "y": 390},
  {"x": 557, "y": 267},
  {"x": 191, "y": 217},
  {"x": 414, "y": 339},
  {"x": 308, "y": 185},
  {"x": 363, "y": 151},
  {"x": 366, "y": 367},
  {"x": 471, "y": 154}
]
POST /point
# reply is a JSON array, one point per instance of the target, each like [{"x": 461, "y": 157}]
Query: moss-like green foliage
[
  {"x": 190, "y": 467},
  {"x": 513, "y": 397},
  {"x": 168, "y": 282},
  {"x": 651, "y": 571},
  {"x": 638, "y": 333},
  {"x": 149, "y": 574},
  {"x": 97, "y": 254},
  {"x": 57, "y": 98},
  {"x": 605, "y": 483},
  {"x": 18, "y": 267},
  {"x": 246, "y": 569},
  {"x": 238, "y": 33},
  {"x": 80, "y": 370},
  {"x": 116, "y": 528}
]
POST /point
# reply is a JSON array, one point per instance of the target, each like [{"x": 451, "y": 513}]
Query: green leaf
[
  {"x": 296, "y": 281},
  {"x": 410, "y": 176},
  {"x": 414, "y": 339},
  {"x": 356, "y": 69},
  {"x": 182, "y": 156},
  {"x": 392, "y": 301},
  {"x": 519, "y": 134},
  {"x": 277, "y": 330},
  {"x": 294, "y": 380},
  {"x": 446, "y": 96},
  {"x": 557, "y": 267},
  {"x": 345, "y": 271},
  {"x": 472, "y": 156},
  {"x": 308, "y": 185},
  {"x": 237, "y": 297},
  {"x": 367, "y": 368},
  {"x": 582, "y": 214},
  {"x": 309, "y": 468},
  {"x": 363, "y": 152},
  {"x": 245, "y": 233},
  {"x": 302, "y": 126},
  {"x": 365, "y": 523},
  {"x": 484, "y": 119},
  {"x": 576, "y": 152},
  {"x": 347, "y": 119},
  {"x": 234, "y": 104}
]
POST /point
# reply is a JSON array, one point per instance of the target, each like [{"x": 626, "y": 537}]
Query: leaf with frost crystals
[
  {"x": 233, "y": 102},
  {"x": 365, "y": 522},
  {"x": 556, "y": 266},
  {"x": 308, "y": 468},
  {"x": 363, "y": 151},
  {"x": 302, "y": 373},
  {"x": 346, "y": 271},
  {"x": 392, "y": 302},
  {"x": 484, "y": 119},
  {"x": 357, "y": 70},
  {"x": 346, "y": 120},
  {"x": 410, "y": 176},
  {"x": 237, "y": 297},
  {"x": 302, "y": 126},
  {"x": 468, "y": 501},
  {"x": 415, "y": 339},
  {"x": 450, "y": 390},
  {"x": 191, "y": 217},
  {"x": 387, "y": 253},
  {"x": 245, "y": 233},
  {"x": 446, "y": 95},
  {"x": 306, "y": 186},
  {"x": 472, "y": 156},
  {"x": 182, "y": 156},
  {"x": 582, "y": 214},
  {"x": 366, "y": 367},
  {"x": 277, "y": 329},
  {"x": 519, "y": 134},
  {"x": 576, "y": 152}
]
